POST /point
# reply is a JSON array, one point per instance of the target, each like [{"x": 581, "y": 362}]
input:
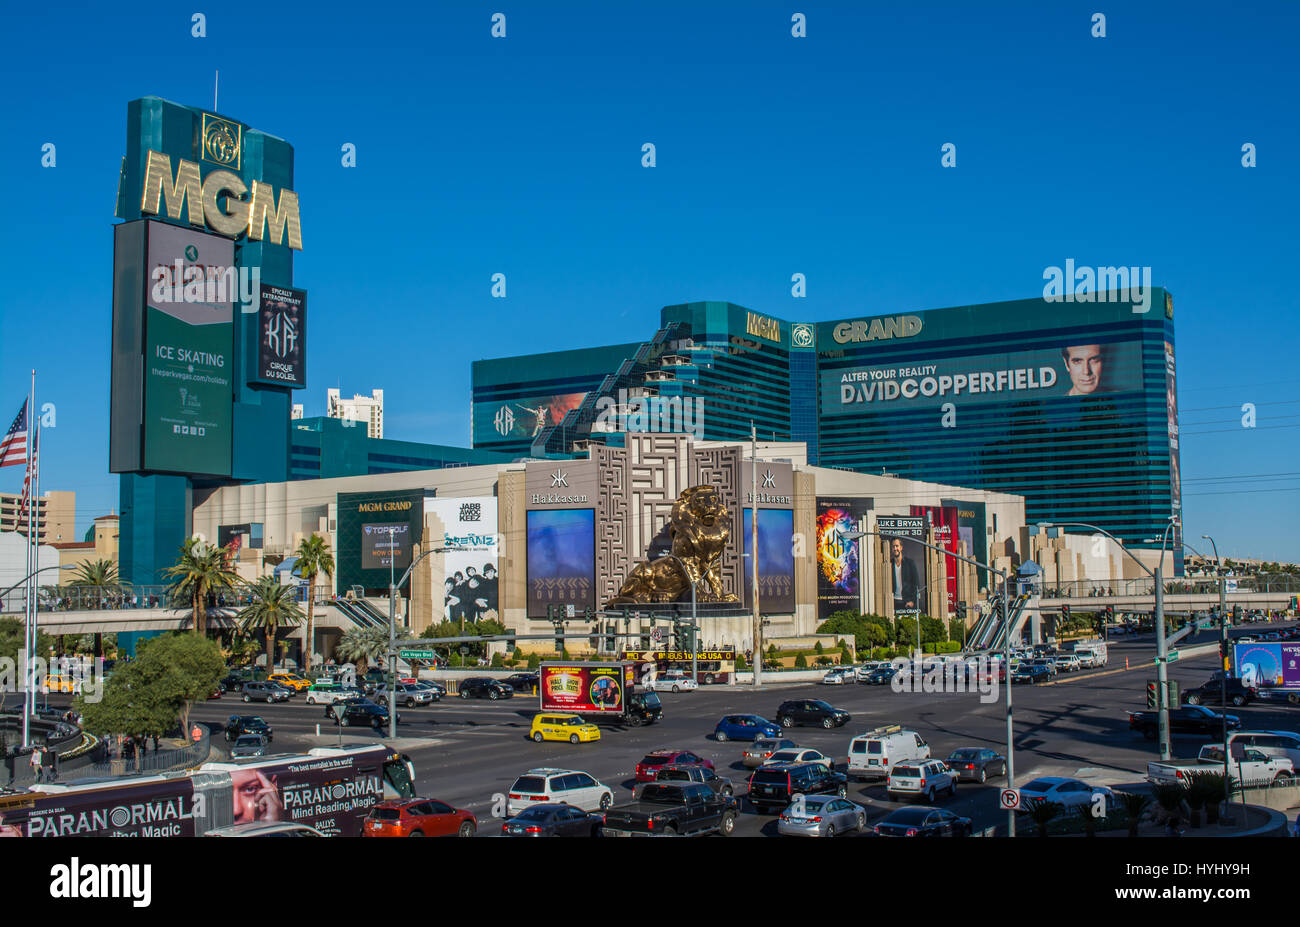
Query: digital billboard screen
[
  {"x": 1268, "y": 665},
  {"x": 188, "y": 340},
  {"x": 839, "y": 570},
  {"x": 972, "y": 529},
  {"x": 582, "y": 688},
  {"x": 775, "y": 560},
  {"x": 237, "y": 537},
  {"x": 521, "y": 418},
  {"x": 947, "y": 534},
  {"x": 383, "y": 545},
  {"x": 561, "y": 559},
  {"x": 1068, "y": 369},
  {"x": 282, "y": 336},
  {"x": 905, "y": 563}
]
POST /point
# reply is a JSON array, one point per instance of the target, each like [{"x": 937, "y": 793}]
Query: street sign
[
  {"x": 464, "y": 649},
  {"x": 1229, "y": 585},
  {"x": 1173, "y": 656},
  {"x": 1010, "y": 799},
  {"x": 570, "y": 611},
  {"x": 416, "y": 654}
]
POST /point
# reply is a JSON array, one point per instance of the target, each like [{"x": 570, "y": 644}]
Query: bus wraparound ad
[
  {"x": 328, "y": 789},
  {"x": 715, "y": 666}
]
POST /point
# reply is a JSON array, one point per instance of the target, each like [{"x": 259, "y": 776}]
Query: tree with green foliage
[
  {"x": 314, "y": 558},
  {"x": 800, "y": 662},
  {"x": 186, "y": 668},
  {"x": 200, "y": 571},
  {"x": 366, "y": 647},
  {"x": 136, "y": 702},
  {"x": 12, "y": 637},
  {"x": 932, "y": 630},
  {"x": 274, "y": 606}
]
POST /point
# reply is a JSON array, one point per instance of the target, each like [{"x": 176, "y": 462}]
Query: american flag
[
  {"x": 13, "y": 449},
  {"x": 24, "y": 514}
]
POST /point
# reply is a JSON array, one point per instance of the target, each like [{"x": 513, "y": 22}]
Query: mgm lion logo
[{"x": 700, "y": 529}]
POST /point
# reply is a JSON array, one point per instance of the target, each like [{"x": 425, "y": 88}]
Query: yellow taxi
[
  {"x": 550, "y": 726},
  {"x": 60, "y": 684},
  {"x": 293, "y": 680}
]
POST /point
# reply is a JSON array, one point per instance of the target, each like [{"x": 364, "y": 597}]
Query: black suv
[
  {"x": 238, "y": 725},
  {"x": 523, "y": 682},
  {"x": 484, "y": 687},
  {"x": 811, "y": 711},
  {"x": 1213, "y": 693},
  {"x": 774, "y": 787},
  {"x": 360, "y": 712}
]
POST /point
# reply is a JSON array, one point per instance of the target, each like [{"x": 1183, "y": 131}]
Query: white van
[
  {"x": 1091, "y": 653},
  {"x": 873, "y": 754}
]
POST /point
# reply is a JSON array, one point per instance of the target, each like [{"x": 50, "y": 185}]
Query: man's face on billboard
[
  {"x": 1083, "y": 364},
  {"x": 896, "y": 551}
]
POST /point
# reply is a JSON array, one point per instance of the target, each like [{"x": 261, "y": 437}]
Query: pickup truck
[
  {"x": 1253, "y": 767},
  {"x": 670, "y": 810}
]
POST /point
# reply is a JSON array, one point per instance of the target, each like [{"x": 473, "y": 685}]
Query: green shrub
[
  {"x": 801, "y": 662},
  {"x": 534, "y": 661},
  {"x": 741, "y": 663},
  {"x": 825, "y": 661},
  {"x": 498, "y": 661},
  {"x": 818, "y": 648},
  {"x": 771, "y": 650}
]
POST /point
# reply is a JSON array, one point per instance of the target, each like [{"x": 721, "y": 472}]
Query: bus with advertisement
[
  {"x": 330, "y": 789},
  {"x": 716, "y": 667}
]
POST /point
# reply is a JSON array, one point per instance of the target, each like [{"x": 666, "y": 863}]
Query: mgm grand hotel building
[{"x": 958, "y": 427}]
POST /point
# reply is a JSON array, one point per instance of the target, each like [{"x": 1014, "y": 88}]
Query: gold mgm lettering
[
  {"x": 763, "y": 327},
  {"x": 200, "y": 200}
]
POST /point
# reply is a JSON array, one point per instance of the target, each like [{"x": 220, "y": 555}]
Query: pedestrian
[
  {"x": 155, "y": 743},
  {"x": 36, "y": 763},
  {"x": 51, "y": 765}
]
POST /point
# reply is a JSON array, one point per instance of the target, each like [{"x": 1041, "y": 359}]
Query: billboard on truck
[
  {"x": 1268, "y": 665},
  {"x": 586, "y": 687},
  {"x": 157, "y": 807}
]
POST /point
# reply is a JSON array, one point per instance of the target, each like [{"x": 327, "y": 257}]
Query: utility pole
[
  {"x": 1223, "y": 661},
  {"x": 753, "y": 554}
]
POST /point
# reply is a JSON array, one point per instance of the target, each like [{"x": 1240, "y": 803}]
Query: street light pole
[
  {"x": 392, "y": 635},
  {"x": 1006, "y": 652},
  {"x": 695, "y": 623},
  {"x": 1162, "y": 674},
  {"x": 1223, "y": 660},
  {"x": 757, "y": 633}
]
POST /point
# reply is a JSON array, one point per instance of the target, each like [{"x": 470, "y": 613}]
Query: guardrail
[
  {"x": 1183, "y": 585},
  {"x": 96, "y": 598}
]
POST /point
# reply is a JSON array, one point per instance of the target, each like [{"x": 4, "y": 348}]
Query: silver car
[
  {"x": 249, "y": 745},
  {"x": 821, "y": 816}
]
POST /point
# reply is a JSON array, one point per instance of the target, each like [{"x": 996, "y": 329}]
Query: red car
[
  {"x": 656, "y": 760},
  {"x": 418, "y": 817}
]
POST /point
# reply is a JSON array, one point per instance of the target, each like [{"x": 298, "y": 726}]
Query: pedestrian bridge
[{"x": 95, "y": 610}]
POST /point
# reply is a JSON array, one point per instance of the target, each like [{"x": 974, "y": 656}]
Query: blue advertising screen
[
  {"x": 561, "y": 560},
  {"x": 775, "y": 560}
]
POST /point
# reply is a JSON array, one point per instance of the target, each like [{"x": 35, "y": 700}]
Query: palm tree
[
  {"x": 200, "y": 570},
  {"x": 365, "y": 646},
  {"x": 1043, "y": 813},
  {"x": 1135, "y": 805},
  {"x": 314, "y": 557},
  {"x": 97, "y": 574},
  {"x": 274, "y": 606}
]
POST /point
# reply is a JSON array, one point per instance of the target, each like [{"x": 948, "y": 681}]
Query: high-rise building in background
[
  {"x": 295, "y": 412},
  {"x": 1071, "y": 404},
  {"x": 368, "y": 409},
  {"x": 56, "y": 511}
]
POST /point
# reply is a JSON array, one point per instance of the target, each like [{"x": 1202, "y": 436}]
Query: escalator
[
  {"x": 1012, "y": 624},
  {"x": 361, "y": 617}
]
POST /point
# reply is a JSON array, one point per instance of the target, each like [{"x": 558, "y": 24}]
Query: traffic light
[
  {"x": 1110, "y": 614},
  {"x": 611, "y": 642},
  {"x": 1153, "y": 700},
  {"x": 1236, "y": 614},
  {"x": 961, "y": 611},
  {"x": 1065, "y": 611},
  {"x": 1175, "y": 691}
]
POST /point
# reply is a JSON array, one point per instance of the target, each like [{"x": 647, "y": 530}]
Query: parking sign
[{"x": 1011, "y": 799}]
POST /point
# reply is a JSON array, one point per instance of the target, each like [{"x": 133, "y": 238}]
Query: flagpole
[{"x": 29, "y": 608}]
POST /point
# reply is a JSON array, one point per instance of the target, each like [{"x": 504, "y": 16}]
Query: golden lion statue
[{"x": 700, "y": 528}]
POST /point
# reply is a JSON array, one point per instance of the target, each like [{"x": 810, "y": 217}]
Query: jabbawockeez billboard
[{"x": 468, "y": 526}]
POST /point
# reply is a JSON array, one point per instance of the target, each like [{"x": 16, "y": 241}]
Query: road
[{"x": 467, "y": 752}]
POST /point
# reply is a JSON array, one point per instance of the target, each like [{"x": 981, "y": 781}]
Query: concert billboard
[
  {"x": 468, "y": 525},
  {"x": 775, "y": 560},
  {"x": 282, "y": 337},
  {"x": 906, "y": 575},
  {"x": 947, "y": 534},
  {"x": 839, "y": 573},
  {"x": 561, "y": 559}
]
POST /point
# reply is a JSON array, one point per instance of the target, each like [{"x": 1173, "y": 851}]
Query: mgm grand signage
[{"x": 221, "y": 201}]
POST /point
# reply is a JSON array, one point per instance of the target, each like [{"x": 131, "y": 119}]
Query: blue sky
[{"x": 775, "y": 155}]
